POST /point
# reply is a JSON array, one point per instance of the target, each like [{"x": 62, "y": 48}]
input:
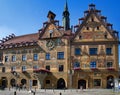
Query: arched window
[
  {"x": 61, "y": 84},
  {"x": 23, "y": 81}
]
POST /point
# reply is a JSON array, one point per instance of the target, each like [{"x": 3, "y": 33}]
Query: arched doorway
[
  {"x": 61, "y": 84},
  {"x": 13, "y": 82},
  {"x": 4, "y": 82},
  {"x": 110, "y": 82},
  {"x": 82, "y": 83},
  {"x": 23, "y": 81}
]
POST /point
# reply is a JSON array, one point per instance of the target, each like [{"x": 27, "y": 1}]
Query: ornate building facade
[{"x": 61, "y": 57}]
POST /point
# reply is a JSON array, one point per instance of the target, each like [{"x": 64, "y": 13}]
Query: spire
[
  {"x": 66, "y": 6},
  {"x": 66, "y": 19}
]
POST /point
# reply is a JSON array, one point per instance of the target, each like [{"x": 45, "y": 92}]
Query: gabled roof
[
  {"x": 99, "y": 17},
  {"x": 43, "y": 30}
]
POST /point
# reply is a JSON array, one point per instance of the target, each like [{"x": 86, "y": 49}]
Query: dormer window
[
  {"x": 105, "y": 35},
  {"x": 92, "y": 19},
  {"x": 50, "y": 35},
  {"x": 87, "y": 28},
  {"x": 98, "y": 27},
  {"x": 80, "y": 37}
]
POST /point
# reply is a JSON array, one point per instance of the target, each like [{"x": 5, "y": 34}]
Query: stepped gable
[{"x": 102, "y": 21}]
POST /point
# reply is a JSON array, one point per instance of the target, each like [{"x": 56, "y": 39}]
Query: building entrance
[
  {"x": 110, "y": 82},
  {"x": 13, "y": 82},
  {"x": 82, "y": 83},
  {"x": 23, "y": 81},
  {"x": 60, "y": 84},
  {"x": 4, "y": 82}
]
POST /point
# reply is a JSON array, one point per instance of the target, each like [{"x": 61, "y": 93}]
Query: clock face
[{"x": 50, "y": 44}]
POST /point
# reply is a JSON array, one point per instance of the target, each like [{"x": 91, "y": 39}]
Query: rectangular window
[
  {"x": 108, "y": 51},
  {"x": 13, "y": 58},
  {"x": 24, "y": 68},
  {"x": 61, "y": 68},
  {"x": 76, "y": 65},
  {"x": 97, "y": 82},
  {"x": 109, "y": 64},
  {"x": 93, "y": 51},
  {"x": 34, "y": 82},
  {"x": 47, "y": 67},
  {"x": 13, "y": 68},
  {"x": 1, "y": 57},
  {"x": 93, "y": 64},
  {"x": 60, "y": 55},
  {"x": 3, "y": 69},
  {"x": 35, "y": 67},
  {"x": 24, "y": 58},
  {"x": 47, "y": 81},
  {"x": 35, "y": 57},
  {"x": 77, "y": 51},
  {"x": 47, "y": 56},
  {"x": 6, "y": 59}
]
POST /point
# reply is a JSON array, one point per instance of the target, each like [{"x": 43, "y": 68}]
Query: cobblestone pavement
[{"x": 60, "y": 92}]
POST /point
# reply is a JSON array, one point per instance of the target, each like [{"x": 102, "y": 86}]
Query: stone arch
[
  {"x": 110, "y": 82},
  {"x": 4, "y": 82},
  {"x": 13, "y": 82},
  {"x": 82, "y": 83},
  {"x": 23, "y": 81},
  {"x": 61, "y": 84}
]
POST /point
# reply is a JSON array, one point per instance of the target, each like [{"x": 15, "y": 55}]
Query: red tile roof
[
  {"x": 19, "y": 41},
  {"x": 23, "y": 39}
]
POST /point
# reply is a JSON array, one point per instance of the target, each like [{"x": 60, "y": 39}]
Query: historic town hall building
[{"x": 62, "y": 57}]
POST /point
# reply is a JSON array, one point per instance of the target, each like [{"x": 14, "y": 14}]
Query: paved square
[{"x": 60, "y": 92}]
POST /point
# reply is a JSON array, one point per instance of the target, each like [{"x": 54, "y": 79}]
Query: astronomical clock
[{"x": 50, "y": 44}]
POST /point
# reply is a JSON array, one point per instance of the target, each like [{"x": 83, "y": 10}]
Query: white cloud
[{"x": 5, "y": 31}]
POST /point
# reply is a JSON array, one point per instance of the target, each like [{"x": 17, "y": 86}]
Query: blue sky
[{"x": 27, "y": 16}]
